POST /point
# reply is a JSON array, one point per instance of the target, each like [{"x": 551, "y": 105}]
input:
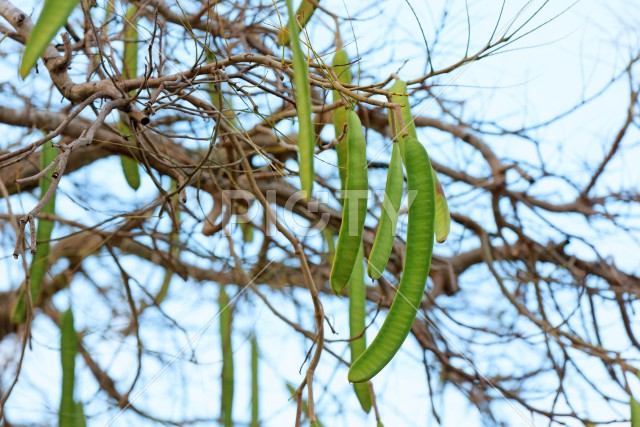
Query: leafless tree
[{"x": 210, "y": 120}]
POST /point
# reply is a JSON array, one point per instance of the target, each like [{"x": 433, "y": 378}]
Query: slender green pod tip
[
  {"x": 635, "y": 412},
  {"x": 175, "y": 249},
  {"x": 227, "y": 375},
  {"x": 53, "y": 16},
  {"x": 328, "y": 236},
  {"x": 81, "y": 420},
  {"x": 303, "y": 15},
  {"x": 306, "y": 134},
  {"x": 357, "y": 318},
  {"x": 68, "y": 350},
  {"x": 131, "y": 171},
  {"x": 255, "y": 386},
  {"x": 342, "y": 70},
  {"x": 355, "y": 205},
  {"x": 385, "y": 234},
  {"x": 419, "y": 248},
  {"x": 443, "y": 218}
]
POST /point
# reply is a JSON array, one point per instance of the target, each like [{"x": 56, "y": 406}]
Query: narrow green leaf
[
  {"x": 68, "y": 350},
  {"x": 54, "y": 15}
]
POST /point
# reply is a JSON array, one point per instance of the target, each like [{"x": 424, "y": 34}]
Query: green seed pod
[
  {"x": 343, "y": 71},
  {"x": 130, "y": 71},
  {"x": 443, "y": 218},
  {"x": 420, "y": 233},
  {"x": 357, "y": 318},
  {"x": 227, "y": 379},
  {"x": 306, "y": 134},
  {"x": 355, "y": 205},
  {"x": 68, "y": 350},
  {"x": 385, "y": 234},
  {"x": 303, "y": 15},
  {"x": 255, "y": 389}
]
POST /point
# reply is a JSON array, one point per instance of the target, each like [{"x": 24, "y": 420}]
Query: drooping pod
[
  {"x": 357, "y": 318},
  {"x": 385, "y": 233},
  {"x": 175, "y": 248},
  {"x": 420, "y": 234},
  {"x": 227, "y": 376},
  {"x": 68, "y": 350},
  {"x": 342, "y": 70},
  {"x": 40, "y": 261},
  {"x": 302, "y": 16},
  {"x": 255, "y": 389},
  {"x": 53, "y": 17},
  {"x": 130, "y": 71},
  {"x": 635, "y": 412},
  {"x": 81, "y": 420},
  {"x": 443, "y": 218},
  {"x": 355, "y": 205},
  {"x": 306, "y": 134}
]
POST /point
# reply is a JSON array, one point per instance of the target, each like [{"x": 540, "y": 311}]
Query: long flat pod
[
  {"x": 40, "y": 261},
  {"x": 342, "y": 70},
  {"x": 355, "y": 205},
  {"x": 357, "y": 317},
  {"x": 227, "y": 379},
  {"x": 306, "y": 134},
  {"x": 130, "y": 71},
  {"x": 385, "y": 234},
  {"x": 68, "y": 350},
  {"x": 303, "y": 15},
  {"x": 420, "y": 232}
]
